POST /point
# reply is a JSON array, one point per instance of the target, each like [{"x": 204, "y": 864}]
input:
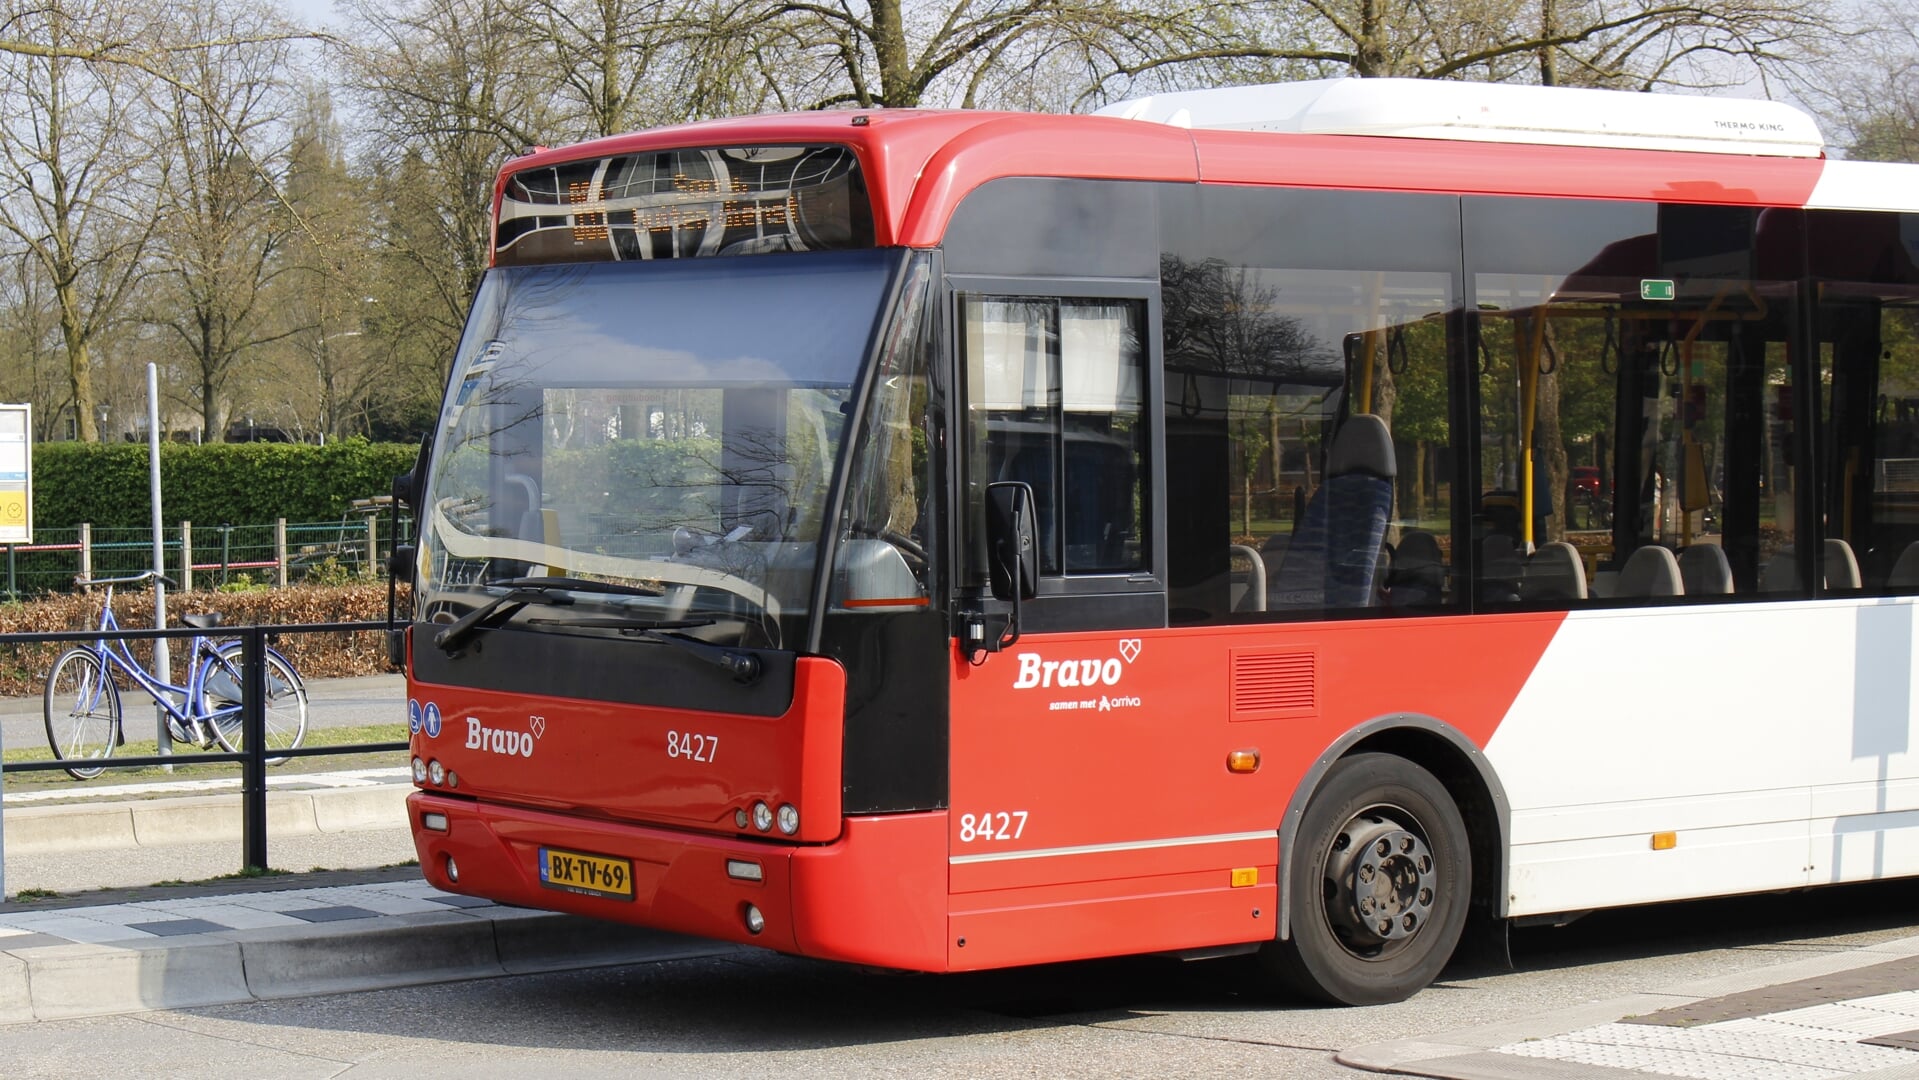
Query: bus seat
[
  {"x": 1650, "y": 571},
  {"x": 1418, "y": 574},
  {"x": 1704, "y": 571},
  {"x": 1905, "y": 572},
  {"x": 1781, "y": 572},
  {"x": 1554, "y": 573},
  {"x": 1842, "y": 569},
  {"x": 1500, "y": 569},
  {"x": 524, "y": 510},
  {"x": 1334, "y": 552}
]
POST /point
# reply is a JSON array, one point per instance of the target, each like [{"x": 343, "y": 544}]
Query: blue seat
[{"x": 1334, "y": 554}]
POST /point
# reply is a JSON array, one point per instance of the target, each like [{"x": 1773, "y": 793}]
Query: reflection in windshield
[{"x": 669, "y": 426}]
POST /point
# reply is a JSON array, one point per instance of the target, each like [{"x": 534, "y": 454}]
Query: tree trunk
[
  {"x": 896, "y": 66},
  {"x": 79, "y": 364}
]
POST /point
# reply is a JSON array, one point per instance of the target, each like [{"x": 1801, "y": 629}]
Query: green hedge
[{"x": 212, "y": 484}]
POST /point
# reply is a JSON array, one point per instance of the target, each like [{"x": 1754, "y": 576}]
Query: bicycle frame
[{"x": 119, "y": 655}]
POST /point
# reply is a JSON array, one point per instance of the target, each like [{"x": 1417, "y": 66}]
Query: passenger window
[
  {"x": 1307, "y": 350},
  {"x": 1636, "y": 404},
  {"x": 1054, "y": 400},
  {"x": 1867, "y": 324}
]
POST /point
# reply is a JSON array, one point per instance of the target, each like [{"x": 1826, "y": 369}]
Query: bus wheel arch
[{"x": 1420, "y": 796}]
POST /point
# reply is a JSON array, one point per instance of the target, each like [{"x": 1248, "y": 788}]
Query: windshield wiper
[
  {"x": 744, "y": 667},
  {"x": 524, "y": 591}
]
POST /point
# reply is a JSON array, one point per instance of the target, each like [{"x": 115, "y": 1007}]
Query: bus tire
[{"x": 1380, "y": 879}]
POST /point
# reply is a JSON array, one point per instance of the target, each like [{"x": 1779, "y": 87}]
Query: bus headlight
[
  {"x": 436, "y": 772},
  {"x": 789, "y": 819},
  {"x": 419, "y": 771},
  {"x": 762, "y": 816}
]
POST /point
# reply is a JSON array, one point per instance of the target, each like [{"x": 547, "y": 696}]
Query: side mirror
[
  {"x": 401, "y": 564},
  {"x": 408, "y": 486},
  {"x": 1012, "y": 541}
]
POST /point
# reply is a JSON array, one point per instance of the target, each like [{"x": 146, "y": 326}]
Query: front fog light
[
  {"x": 452, "y": 870},
  {"x": 755, "y": 922},
  {"x": 789, "y": 819},
  {"x": 419, "y": 771},
  {"x": 762, "y": 816},
  {"x": 436, "y": 772}
]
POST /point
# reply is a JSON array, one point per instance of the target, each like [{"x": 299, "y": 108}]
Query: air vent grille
[{"x": 1269, "y": 685}]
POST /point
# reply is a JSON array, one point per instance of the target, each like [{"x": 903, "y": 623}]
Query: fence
[
  {"x": 253, "y": 757},
  {"x": 277, "y": 554}
]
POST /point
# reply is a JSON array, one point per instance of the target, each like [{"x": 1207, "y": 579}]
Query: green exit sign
[{"x": 1656, "y": 289}]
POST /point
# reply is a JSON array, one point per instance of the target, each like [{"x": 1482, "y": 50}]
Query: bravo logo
[
  {"x": 504, "y": 740},
  {"x": 1037, "y": 671}
]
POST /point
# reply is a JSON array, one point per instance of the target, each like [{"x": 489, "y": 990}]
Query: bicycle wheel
[
  {"x": 83, "y": 711},
  {"x": 286, "y": 705}
]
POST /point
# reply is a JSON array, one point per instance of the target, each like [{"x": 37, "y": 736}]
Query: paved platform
[
  {"x": 165, "y": 948},
  {"x": 1851, "y": 1014}
]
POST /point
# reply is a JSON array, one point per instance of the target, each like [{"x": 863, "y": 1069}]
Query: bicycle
[{"x": 82, "y": 698}]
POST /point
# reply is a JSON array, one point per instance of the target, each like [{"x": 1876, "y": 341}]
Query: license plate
[{"x": 593, "y": 875}]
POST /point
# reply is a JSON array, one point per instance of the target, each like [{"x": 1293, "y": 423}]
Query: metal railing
[
  {"x": 252, "y": 759},
  {"x": 277, "y": 553}
]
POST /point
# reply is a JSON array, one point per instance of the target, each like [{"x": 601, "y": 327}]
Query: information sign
[{"x": 16, "y": 474}]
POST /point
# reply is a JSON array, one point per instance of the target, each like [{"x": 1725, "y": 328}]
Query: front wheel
[
  {"x": 83, "y": 711},
  {"x": 1380, "y": 878},
  {"x": 286, "y": 704}
]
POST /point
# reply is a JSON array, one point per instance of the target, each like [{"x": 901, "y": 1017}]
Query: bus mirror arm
[
  {"x": 1013, "y": 557},
  {"x": 1011, "y": 541}
]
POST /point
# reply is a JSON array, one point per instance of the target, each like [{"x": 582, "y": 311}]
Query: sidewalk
[
  {"x": 1853, "y": 1014},
  {"x": 138, "y": 950}
]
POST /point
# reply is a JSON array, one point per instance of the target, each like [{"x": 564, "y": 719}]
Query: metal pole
[
  {"x": 162, "y": 660},
  {"x": 13, "y": 587},
  {"x": 3, "y": 816},
  {"x": 226, "y": 550},
  {"x": 253, "y": 730}
]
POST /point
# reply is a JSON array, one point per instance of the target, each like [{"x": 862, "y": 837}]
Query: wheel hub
[{"x": 1380, "y": 881}]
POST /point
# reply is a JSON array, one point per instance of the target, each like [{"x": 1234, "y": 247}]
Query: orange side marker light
[{"x": 1243, "y": 761}]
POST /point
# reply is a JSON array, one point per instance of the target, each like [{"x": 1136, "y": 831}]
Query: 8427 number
[
  {"x": 993, "y": 825},
  {"x": 692, "y": 747}
]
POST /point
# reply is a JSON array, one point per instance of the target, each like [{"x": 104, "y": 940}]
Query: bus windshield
[{"x": 670, "y": 426}]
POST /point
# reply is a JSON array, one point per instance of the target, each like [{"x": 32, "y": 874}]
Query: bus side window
[
  {"x": 1867, "y": 327},
  {"x": 1054, "y": 397}
]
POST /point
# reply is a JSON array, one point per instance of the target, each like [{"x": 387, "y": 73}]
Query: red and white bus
[{"x": 1309, "y": 520}]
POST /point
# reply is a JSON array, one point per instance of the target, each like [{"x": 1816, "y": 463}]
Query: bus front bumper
[{"x": 876, "y": 895}]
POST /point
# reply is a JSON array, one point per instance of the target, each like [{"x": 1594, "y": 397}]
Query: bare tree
[
  {"x": 453, "y": 93},
  {"x": 79, "y": 195},
  {"x": 333, "y": 368},
  {"x": 1870, "y": 96},
  {"x": 614, "y": 65},
  {"x": 1630, "y": 44},
  {"x": 32, "y": 358},
  {"x": 224, "y": 222}
]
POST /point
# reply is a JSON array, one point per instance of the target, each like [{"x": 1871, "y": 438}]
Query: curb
[
  {"x": 40, "y": 830},
  {"x": 58, "y": 982}
]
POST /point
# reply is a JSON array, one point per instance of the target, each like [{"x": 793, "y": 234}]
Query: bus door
[{"x": 1069, "y": 739}]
